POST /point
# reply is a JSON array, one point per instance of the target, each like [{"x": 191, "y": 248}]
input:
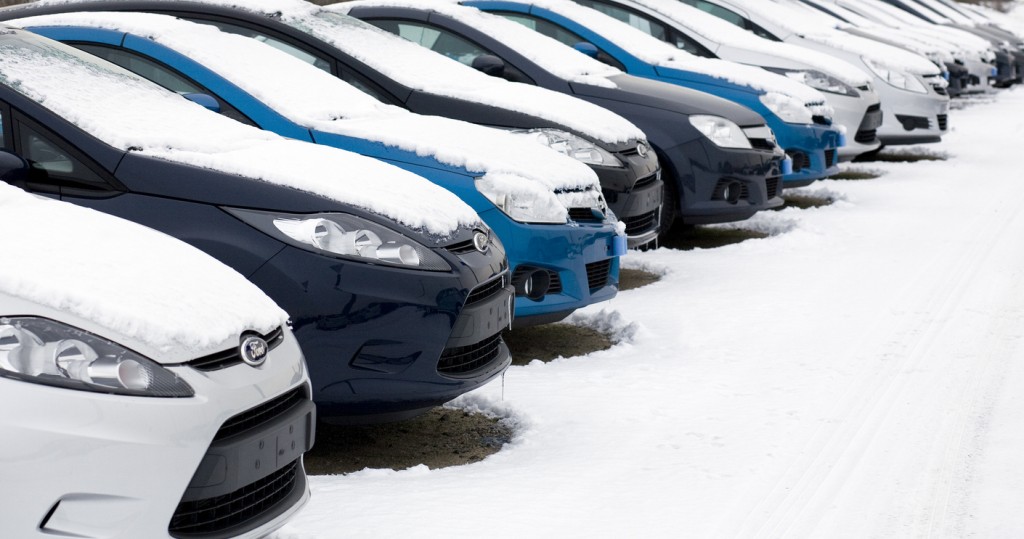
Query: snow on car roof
[
  {"x": 318, "y": 100},
  {"x": 552, "y": 55},
  {"x": 659, "y": 53},
  {"x": 125, "y": 277},
  {"x": 92, "y": 94},
  {"x": 724, "y": 33},
  {"x": 426, "y": 71},
  {"x": 798, "y": 22}
]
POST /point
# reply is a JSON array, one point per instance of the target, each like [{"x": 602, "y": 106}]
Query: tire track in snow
[{"x": 812, "y": 493}]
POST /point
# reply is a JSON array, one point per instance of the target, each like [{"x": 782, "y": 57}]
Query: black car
[
  {"x": 394, "y": 314},
  {"x": 708, "y": 183}
]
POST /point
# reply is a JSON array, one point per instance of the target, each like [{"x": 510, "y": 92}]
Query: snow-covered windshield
[
  {"x": 317, "y": 100},
  {"x": 92, "y": 94},
  {"x": 724, "y": 33},
  {"x": 125, "y": 277}
]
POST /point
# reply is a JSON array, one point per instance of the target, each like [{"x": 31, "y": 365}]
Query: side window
[
  {"x": 364, "y": 86},
  {"x": 558, "y": 33},
  {"x": 315, "y": 60},
  {"x": 688, "y": 44},
  {"x": 160, "y": 74},
  {"x": 636, "y": 20},
  {"x": 44, "y": 153},
  {"x": 3, "y": 129},
  {"x": 446, "y": 42},
  {"x": 718, "y": 11}
]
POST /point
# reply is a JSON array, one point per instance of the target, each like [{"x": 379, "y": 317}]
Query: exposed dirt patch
[
  {"x": 550, "y": 341},
  {"x": 635, "y": 278},
  {"x": 804, "y": 202},
  {"x": 901, "y": 155},
  {"x": 854, "y": 174},
  {"x": 686, "y": 238},
  {"x": 442, "y": 437}
]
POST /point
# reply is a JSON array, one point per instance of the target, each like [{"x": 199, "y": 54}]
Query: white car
[
  {"x": 847, "y": 87},
  {"x": 915, "y": 105},
  {"x": 149, "y": 391}
]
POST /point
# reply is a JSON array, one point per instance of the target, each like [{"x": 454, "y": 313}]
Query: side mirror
[
  {"x": 207, "y": 101},
  {"x": 489, "y": 64},
  {"x": 587, "y": 48},
  {"x": 13, "y": 169}
]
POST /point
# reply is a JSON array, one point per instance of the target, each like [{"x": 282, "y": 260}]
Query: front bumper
[
  {"x": 861, "y": 116},
  {"x": 912, "y": 118},
  {"x": 375, "y": 337},
  {"x": 581, "y": 261},
  {"x": 81, "y": 464},
  {"x": 814, "y": 150},
  {"x": 706, "y": 176},
  {"x": 634, "y": 194}
]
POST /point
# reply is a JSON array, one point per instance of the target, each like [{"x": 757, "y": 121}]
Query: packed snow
[
  {"x": 91, "y": 94},
  {"x": 315, "y": 99},
  {"x": 723, "y": 33},
  {"x": 860, "y": 373},
  {"x": 421, "y": 69},
  {"x": 125, "y": 277}
]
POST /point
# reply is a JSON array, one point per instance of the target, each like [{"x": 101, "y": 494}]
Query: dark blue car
[
  {"x": 562, "y": 242},
  {"x": 397, "y": 292}
]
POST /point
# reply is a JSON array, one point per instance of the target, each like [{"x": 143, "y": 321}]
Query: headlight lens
[
  {"x": 525, "y": 202},
  {"x": 569, "y": 144},
  {"x": 897, "y": 79},
  {"x": 823, "y": 82},
  {"x": 788, "y": 108},
  {"x": 48, "y": 352},
  {"x": 345, "y": 236},
  {"x": 723, "y": 132}
]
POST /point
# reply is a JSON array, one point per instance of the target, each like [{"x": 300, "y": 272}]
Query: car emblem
[
  {"x": 253, "y": 350},
  {"x": 641, "y": 149},
  {"x": 481, "y": 241}
]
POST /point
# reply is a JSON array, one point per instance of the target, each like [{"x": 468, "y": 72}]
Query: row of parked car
[{"x": 375, "y": 191}]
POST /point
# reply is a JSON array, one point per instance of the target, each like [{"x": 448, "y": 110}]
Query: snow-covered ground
[{"x": 857, "y": 374}]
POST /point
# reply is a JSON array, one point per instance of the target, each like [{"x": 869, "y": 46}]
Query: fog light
[{"x": 534, "y": 284}]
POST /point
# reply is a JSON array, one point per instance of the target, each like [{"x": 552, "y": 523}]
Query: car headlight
[
  {"x": 571, "y": 145},
  {"x": 896, "y": 79},
  {"x": 526, "y": 202},
  {"x": 48, "y": 352},
  {"x": 823, "y": 82},
  {"x": 723, "y": 132},
  {"x": 344, "y": 236},
  {"x": 789, "y": 109}
]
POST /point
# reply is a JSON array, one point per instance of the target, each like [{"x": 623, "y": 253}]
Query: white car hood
[{"x": 143, "y": 286}]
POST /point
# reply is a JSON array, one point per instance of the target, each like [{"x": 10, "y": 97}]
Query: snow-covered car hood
[
  {"x": 429, "y": 72},
  {"x": 155, "y": 291},
  {"x": 808, "y": 27},
  {"x": 317, "y": 100},
  {"x": 723, "y": 33},
  {"x": 92, "y": 94}
]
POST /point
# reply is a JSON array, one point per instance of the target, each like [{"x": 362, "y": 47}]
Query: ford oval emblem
[
  {"x": 641, "y": 149},
  {"x": 253, "y": 350},
  {"x": 481, "y": 241}
]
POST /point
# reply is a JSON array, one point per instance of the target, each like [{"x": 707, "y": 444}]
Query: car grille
[
  {"x": 585, "y": 215},
  {"x": 866, "y": 136},
  {"x": 556, "y": 281},
  {"x": 262, "y": 414},
  {"x": 210, "y": 516},
  {"x": 232, "y": 357},
  {"x": 941, "y": 90},
  {"x": 597, "y": 274},
  {"x": 461, "y": 248},
  {"x": 772, "y": 186},
  {"x": 830, "y": 158},
  {"x": 761, "y": 144},
  {"x": 638, "y": 224},
  {"x": 462, "y": 360},
  {"x": 487, "y": 290},
  {"x": 910, "y": 123},
  {"x": 821, "y": 120},
  {"x": 645, "y": 181},
  {"x": 943, "y": 121}
]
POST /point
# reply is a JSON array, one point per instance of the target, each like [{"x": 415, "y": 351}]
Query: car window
[
  {"x": 558, "y": 33},
  {"x": 43, "y": 153},
  {"x": 304, "y": 55},
  {"x": 446, "y": 42},
  {"x": 160, "y": 74},
  {"x": 3, "y": 139},
  {"x": 636, "y": 20}
]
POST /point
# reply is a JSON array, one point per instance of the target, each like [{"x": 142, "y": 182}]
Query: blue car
[
  {"x": 801, "y": 121},
  {"x": 562, "y": 241}
]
